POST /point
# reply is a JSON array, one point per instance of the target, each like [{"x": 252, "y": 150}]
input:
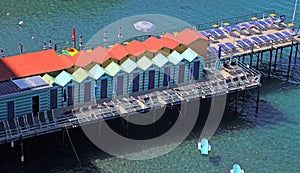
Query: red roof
[
  {"x": 153, "y": 44},
  {"x": 135, "y": 47},
  {"x": 169, "y": 43},
  {"x": 188, "y": 36},
  {"x": 33, "y": 63},
  {"x": 172, "y": 37}
]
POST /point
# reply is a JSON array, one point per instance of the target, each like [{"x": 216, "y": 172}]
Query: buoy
[
  {"x": 7, "y": 14},
  {"x": 32, "y": 37},
  {"x": 21, "y": 23}
]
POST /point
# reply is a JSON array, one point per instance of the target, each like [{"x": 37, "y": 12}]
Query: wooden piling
[
  {"x": 270, "y": 63},
  {"x": 296, "y": 53},
  {"x": 257, "y": 100},
  {"x": 290, "y": 59},
  {"x": 275, "y": 60}
]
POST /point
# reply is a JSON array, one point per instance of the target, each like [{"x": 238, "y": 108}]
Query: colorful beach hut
[
  {"x": 195, "y": 64},
  {"x": 181, "y": 68},
  {"x": 119, "y": 79},
  {"x": 103, "y": 83},
  {"x": 151, "y": 73},
  {"x": 165, "y": 69},
  {"x": 135, "y": 75},
  {"x": 85, "y": 86}
]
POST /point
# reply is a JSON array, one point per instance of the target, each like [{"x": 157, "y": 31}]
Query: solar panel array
[{"x": 30, "y": 82}]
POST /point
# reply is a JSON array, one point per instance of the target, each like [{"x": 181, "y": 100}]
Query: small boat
[
  {"x": 204, "y": 146},
  {"x": 236, "y": 169}
]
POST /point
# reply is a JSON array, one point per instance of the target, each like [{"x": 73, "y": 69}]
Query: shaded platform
[{"x": 232, "y": 77}]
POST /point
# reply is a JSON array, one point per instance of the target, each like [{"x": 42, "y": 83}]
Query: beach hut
[
  {"x": 181, "y": 68},
  {"x": 150, "y": 75},
  {"x": 23, "y": 96},
  {"x": 68, "y": 84},
  {"x": 101, "y": 77},
  {"x": 194, "y": 40},
  {"x": 135, "y": 76},
  {"x": 176, "y": 44},
  {"x": 137, "y": 50},
  {"x": 55, "y": 95},
  {"x": 165, "y": 69},
  {"x": 195, "y": 62},
  {"x": 85, "y": 86},
  {"x": 119, "y": 79}
]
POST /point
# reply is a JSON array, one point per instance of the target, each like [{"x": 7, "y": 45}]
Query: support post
[
  {"x": 257, "y": 101},
  {"x": 12, "y": 144},
  {"x": 262, "y": 55},
  {"x": 236, "y": 100},
  {"x": 281, "y": 48},
  {"x": 270, "y": 63},
  {"x": 22, "y": 149},
  {"x": 296, "y": 53},
  {"x": 257, "y": 61},
  {"x": 251, "y": 56},
  {"x": 290, "y": 59},
  {"x": 275, "y": 60}
]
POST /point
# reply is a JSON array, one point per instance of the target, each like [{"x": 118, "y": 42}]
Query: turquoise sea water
[{"x": 264, "y": 142}]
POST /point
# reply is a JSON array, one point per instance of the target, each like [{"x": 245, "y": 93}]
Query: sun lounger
[
  {"x": 245, "y": 26},
  {"x": 247, "y": 41},
  {"x": 212, "y": 49},
  {"x": 272, "y": 37},
  {"x": 223, "y": 47},
  {"x": 278, "y": 34},
  {"x": 257, "y": 40},
  {"x": 264, "y": 38},
  {"x": 264, "y": 24},
  {"x": 204, "y": 33},
  {"x": 236, "y": 27},
  {"x": 227, "y": 29},
  {"x": 269, "y": 22},
  {"x": 219, "y": 32},
  {"x": 241, "y": 44},
  {"x": 287, "y": 34},
  {"x": 230, "y": 45},
  {"x": 256, "y": 24},
  {"x": 212, "y": 33}
]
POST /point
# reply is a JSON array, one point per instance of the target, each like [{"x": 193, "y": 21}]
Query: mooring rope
[{"x": 74, "y": 150}]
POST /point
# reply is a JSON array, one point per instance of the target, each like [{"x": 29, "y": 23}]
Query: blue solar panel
[
  {"x": 30, "y": 82},
  {"x": 287, "y": 34},
  {"x": 241, "y": 43},
  {"x": 257, "y": 40},
  {"x": 223, "y": 47},
  {"x": 247, "y": 41},
  {"x": 272, "y": 37},
  {"x": 279, "y": 35},
  {"x": 230, "y": 45},
  {"x": 264, "y": 38},
  {"x": 245, "y": 25}
]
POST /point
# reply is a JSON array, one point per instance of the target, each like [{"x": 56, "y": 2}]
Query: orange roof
[
  {"x": 188, "y": 36},
  {"x": 172, "y": 37},
  {"x": 117, "y": 52},
  {"x": 99, "y": 54},
  {"x": 153, "y": 44},
  {"x": 83, "y": 58},
  {"x": 34, "y": 63},
  {"x": 135, "y": 47},
  {"x": 169, "y": 43}
]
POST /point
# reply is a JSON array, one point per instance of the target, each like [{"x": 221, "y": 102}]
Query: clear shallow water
[{"x": 264, "y": 142}]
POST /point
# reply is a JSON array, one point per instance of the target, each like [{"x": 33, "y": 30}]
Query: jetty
[{"x": 73, "y": 88}]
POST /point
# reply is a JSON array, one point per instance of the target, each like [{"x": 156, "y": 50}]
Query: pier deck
[{"x": 232, "y": 77}]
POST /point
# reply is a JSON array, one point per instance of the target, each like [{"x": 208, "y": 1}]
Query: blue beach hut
[
  {"x": 195, "y": 64},
  {"x": 180, "y": 73},
  {"x": 135, "y": 75},
  {"x": 165, "y": 69},
  {"x": 151, "y": 71},
  {"x": 119, "y": 79}
]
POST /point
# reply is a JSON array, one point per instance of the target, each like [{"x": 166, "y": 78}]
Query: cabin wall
[
  {"x": 109, "y": 85},
  {"x": 176, "y": 72},
  {"x": 180, "y": 48},
  {"x": 146, "y": 77},
  {"x": 23, "y": 102},
  {"x": 125, "y": 81},
  {"x": 162, "y": 72},
  {"x": 130, "y": 80}
]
